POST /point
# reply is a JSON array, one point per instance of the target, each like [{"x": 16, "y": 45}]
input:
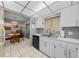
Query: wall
[
  {"x": 72, "y": 32},
  {"x": 1, "y": 25},
  {"x": 2, "y": 40}
]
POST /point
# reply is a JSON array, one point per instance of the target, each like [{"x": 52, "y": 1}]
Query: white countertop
[
  {"x": 37, "y": 34},
  {"x": 71, "y": 40}
]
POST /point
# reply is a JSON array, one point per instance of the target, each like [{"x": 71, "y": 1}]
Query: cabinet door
[
  {"x": 73, "y": 54},
  {"x": 39, "y": 23},
  {"x": 73, "y": 50},
  {"x": 69, "y": 16},
  {"x": 60, "y": 52},
  {"x": 42, "y": 46},
  {"x": 52, "y": 50},
  {"x": 48, "y": 48}
]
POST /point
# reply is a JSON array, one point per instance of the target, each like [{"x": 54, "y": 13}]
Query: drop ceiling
[
  {"x": 9, "y": 16},
  {"x": 27, "y": 8}
]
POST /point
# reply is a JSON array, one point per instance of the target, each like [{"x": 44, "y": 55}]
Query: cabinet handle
[
  {"x": 69, "y": 53},
  {"x": 54, "y": 46},
  {"x": 65, "y": 52},
  {"x": 45, "y": 44},
  {"x": 76, "y": 48}
]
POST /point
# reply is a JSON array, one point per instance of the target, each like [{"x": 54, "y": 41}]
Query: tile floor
[{"x": 22, "y": 49}]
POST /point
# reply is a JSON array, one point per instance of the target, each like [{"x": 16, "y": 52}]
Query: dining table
[{"x": 15, "y": 37}]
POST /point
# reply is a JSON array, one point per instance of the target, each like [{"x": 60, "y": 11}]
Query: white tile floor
[{"x": 22, "y": 49}]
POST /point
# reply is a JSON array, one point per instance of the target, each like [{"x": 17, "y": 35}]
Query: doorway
[{"x": 27, "y": 30}]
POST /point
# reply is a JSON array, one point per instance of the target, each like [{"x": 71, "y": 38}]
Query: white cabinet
[
  {"x": 73, "y": 50},
  {"x": 42, "y": 45},
  {"x": 39, "y": 23},
  {"x": 46, "y": 46},
  {"x": 52, "y": 50},
  {"x": 69, "y": 16},
  {"x": 60, "y": 50},
  {"x": 73, "y": 54}
]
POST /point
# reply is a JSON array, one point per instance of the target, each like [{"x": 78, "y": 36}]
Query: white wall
[{"x": 2, "y": 40}]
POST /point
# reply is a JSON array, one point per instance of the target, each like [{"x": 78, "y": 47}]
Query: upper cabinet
[
  {"x": 39, "y": 23},
  {"x": 69, "y": 16}
]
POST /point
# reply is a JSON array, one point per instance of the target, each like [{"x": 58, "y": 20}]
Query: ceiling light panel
[
  {"x": 59, "y": 5},
  {"x": 23, "y": 3},
  {"x": 1, "y": 3},
  {"x": 44, "y": 11},
  {"x": 49, "y": 2},
  {"x": 28, "y": 12},
  {"x": 13, "y": 6},
  {"x": 36, "y": 16},
  {"x": 36, "y": 5}
]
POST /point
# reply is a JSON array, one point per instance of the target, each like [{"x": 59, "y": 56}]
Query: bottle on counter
[{"x": 62, "y": 33}]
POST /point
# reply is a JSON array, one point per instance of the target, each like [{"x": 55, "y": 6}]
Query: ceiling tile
[
  {"x": 74, "y": 2},
  {"x": 12, "y": 6},
  {"x": 36, "y": 16},
  {"x": 36, "y": 5},
  {"x": 1, "y": 3},
  {"x": 14, "y": 16},
  {"x": 59, "y": 5},
  {"x": 49, "y": 2},
  {"x": 28, "y": 12},
  {"x": 44, "y": 11},
  {"x": 22, "y": 2}
]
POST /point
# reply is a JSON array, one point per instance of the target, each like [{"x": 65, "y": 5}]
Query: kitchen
[
  {"x": 59, "y": 38},
  {"x": 54, "y": 30}
]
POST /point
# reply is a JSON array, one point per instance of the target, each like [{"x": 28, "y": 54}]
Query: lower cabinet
[
  {"x": 42, "y": 46},
  {"x": 58, "y": 49},
  {"x": 73, "y": 50},
  {"x": 60, "y": 52},
  {"x": 52, "y": 50},
  {"x": 47, "y": 47},
  {"x": 73, "y": 54}
]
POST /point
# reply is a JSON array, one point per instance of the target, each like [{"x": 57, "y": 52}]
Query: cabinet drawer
[
  {"x": 73, "y": 47},
  {"x": 73, "y": 54},
  {"x": 60, "y": 43}
]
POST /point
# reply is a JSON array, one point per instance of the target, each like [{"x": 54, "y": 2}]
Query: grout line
[
  {"x": 59, "y": 9},
  {"x": 25, "y": 7},
  {"x": 19, "y": 3},
  {"x": 47, "y": 6},
  {"x": 44, "y": 8}
]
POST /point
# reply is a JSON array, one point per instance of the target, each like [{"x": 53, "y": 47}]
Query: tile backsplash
[
  {"x": 71, "y": 32},
  {"x": 39, "y": 30}
]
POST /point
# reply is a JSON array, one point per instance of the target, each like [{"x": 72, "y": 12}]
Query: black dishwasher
[{"x": 35, "y": 42}]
